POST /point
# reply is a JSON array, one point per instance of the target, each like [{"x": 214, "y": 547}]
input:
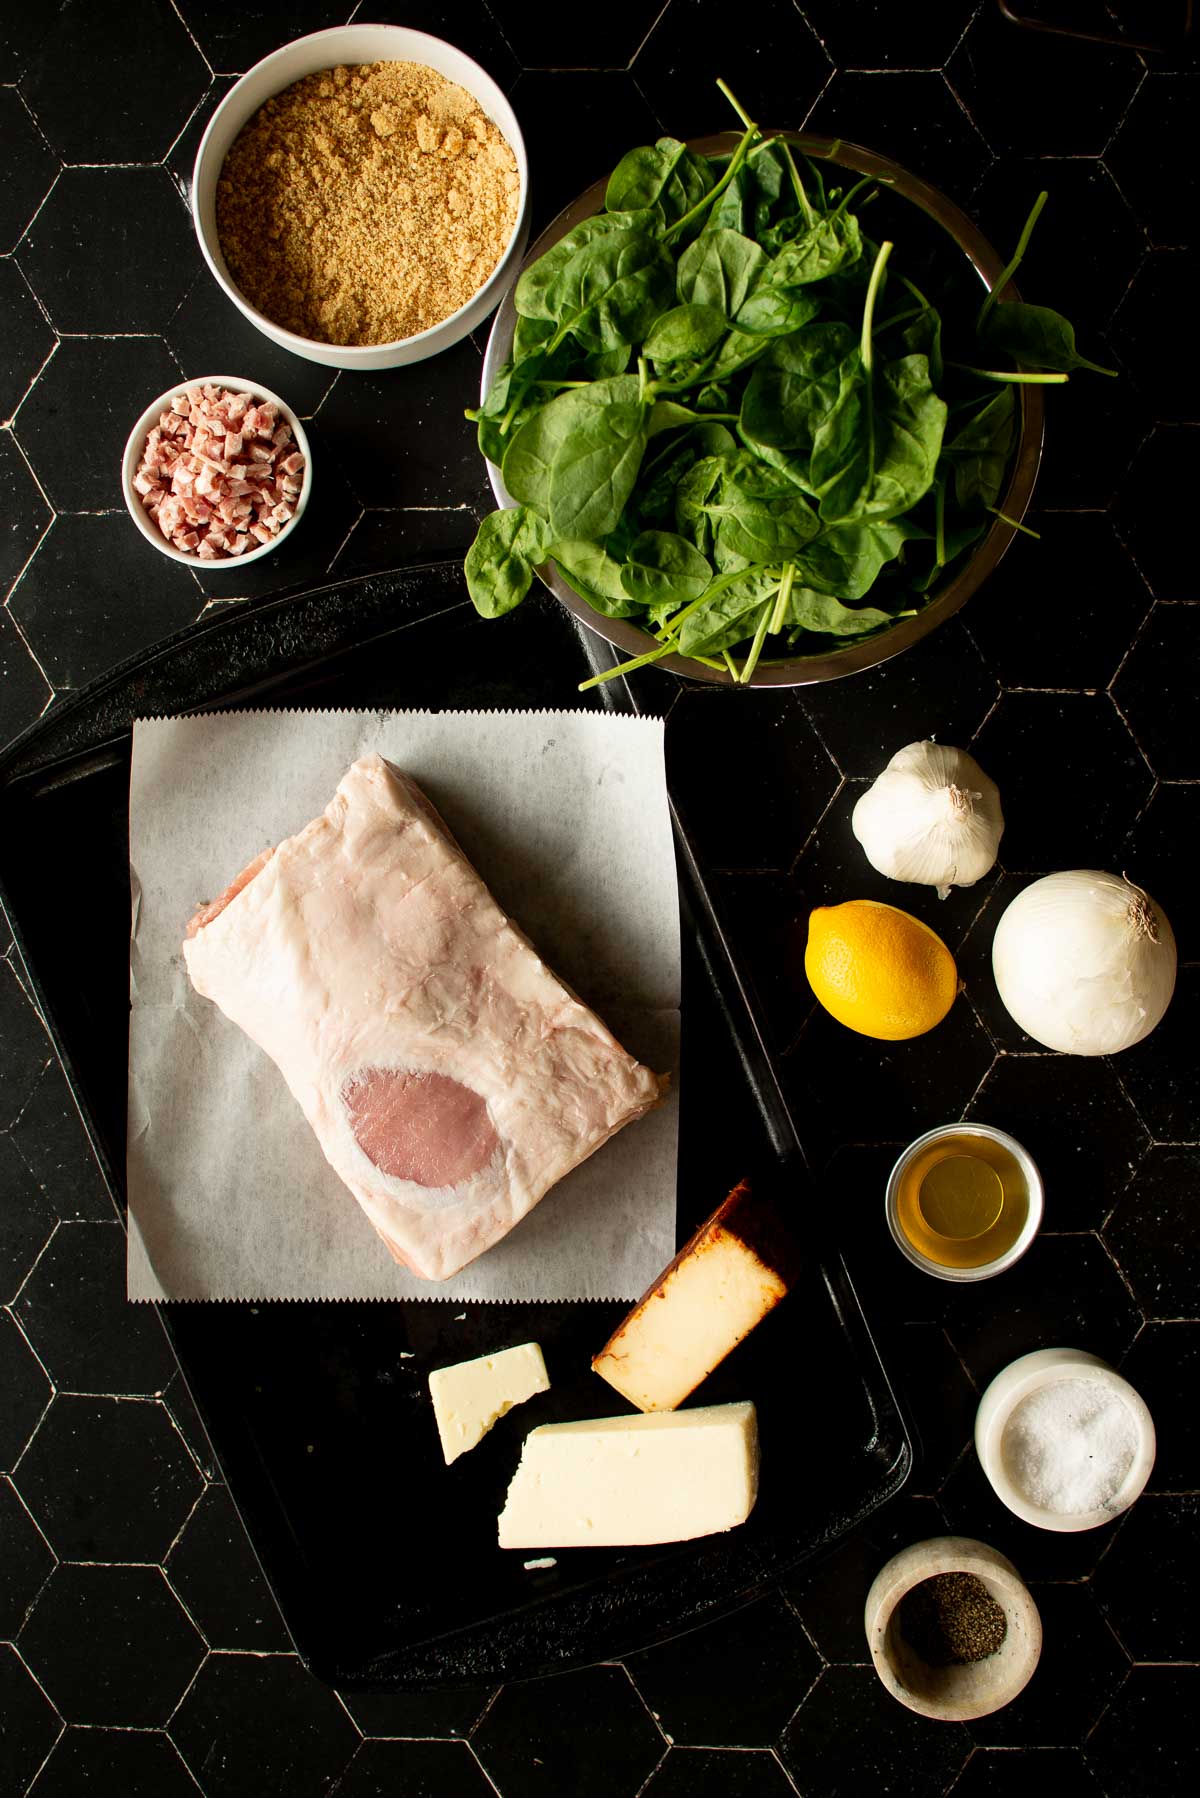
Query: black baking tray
[{"x": 384, "y": 1561}]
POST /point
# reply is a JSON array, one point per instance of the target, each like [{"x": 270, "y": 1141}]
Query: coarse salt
[{"x": 1069, "y": 1446}]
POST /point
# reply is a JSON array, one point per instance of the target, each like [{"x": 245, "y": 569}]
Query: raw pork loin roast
[{"x": 450, "y": 1077}]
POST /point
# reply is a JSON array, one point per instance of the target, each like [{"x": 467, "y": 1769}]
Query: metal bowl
[{"x": 803, "y": 670}]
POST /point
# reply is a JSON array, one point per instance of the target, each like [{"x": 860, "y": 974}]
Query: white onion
[{"x": 1085, "y": 962}]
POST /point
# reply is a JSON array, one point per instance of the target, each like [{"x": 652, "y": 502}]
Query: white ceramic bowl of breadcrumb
[{"x": 324, "y": 160}]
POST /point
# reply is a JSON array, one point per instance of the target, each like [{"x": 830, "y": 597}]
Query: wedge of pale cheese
[
  {"x": 469, "y": 1397},
  {"x": 611, "y": 1482},
  {"x": 735, "y": 1269}
]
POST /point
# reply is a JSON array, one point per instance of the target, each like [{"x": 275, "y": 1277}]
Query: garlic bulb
[
  {"x": 932, "y": 817},
  {"x": 1085, "y": 962}
]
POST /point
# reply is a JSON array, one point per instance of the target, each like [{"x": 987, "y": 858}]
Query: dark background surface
[{"x": 140, "y": 1652}]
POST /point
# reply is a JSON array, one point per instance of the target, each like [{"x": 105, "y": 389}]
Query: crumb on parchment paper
[{"x": 364, "y": 204}]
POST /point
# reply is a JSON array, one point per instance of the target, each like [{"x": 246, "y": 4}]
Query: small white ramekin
[
  {"x": 1028, "y": 1374},
  {"x": 136, "y": 442},
  {"x": 308, "y": 56},
  {"x": 976, "y": 1689}
]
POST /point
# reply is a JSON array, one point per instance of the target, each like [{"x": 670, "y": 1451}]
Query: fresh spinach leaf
[
  {"x": 611, "y": 291},
  {"x": 809, "y": 610},
  {"x": 687, "y": 332},
  {"x": 979, "y": 452},
  {"x": 666, "y": 175},
  {"x": 721, "y": 619},
  {"x": 595, "y": 575},
  {"x": 576, "y": 460},
  {"x": 720, "y": 270},
  {"x": 529, "y": 295},
  {"x": 846, "y": 561},
  {"x": 1036, "y": 336},
  {"x": 500, "y": 563}
]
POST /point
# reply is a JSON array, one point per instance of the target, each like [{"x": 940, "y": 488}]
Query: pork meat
[{"x": 450, "y": 1077}]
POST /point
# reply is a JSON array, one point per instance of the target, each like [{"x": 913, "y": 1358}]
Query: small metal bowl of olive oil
[{"x": 964, "y": 1201}]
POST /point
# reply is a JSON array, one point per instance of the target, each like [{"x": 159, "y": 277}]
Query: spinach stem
[
  {"x": 939, "y": 500},
  {"x": 1015, "y": 523},
  {"x": 1019, "y": 376},
  {"x": 760, "y": 637},
  {"x": 735, "y": 163},
  {"x": 850, "y": 193},
  {"x": 651, "y": 655},
  {"x": 779, "y": 613},
  {"x": 1010, "y": 268},
  {"x": 729, "y": 663},
  {"x": 810, "y": 217},
  {"x": 885, "y": 250},
  {"x": 900, "y": 318}
]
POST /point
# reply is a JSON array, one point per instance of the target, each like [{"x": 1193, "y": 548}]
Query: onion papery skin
[{"x": 1084, "y": 962}]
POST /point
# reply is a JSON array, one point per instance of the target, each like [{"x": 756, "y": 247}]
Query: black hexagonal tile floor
[
  {"x": 233, "y": 39},
  {"x": 1160, "y": 1073},
  {"x": 1061, "y": 612},
  {"x": 1138, "y": 1582},
  {"x": 262, "y": 1724},
  {"x": 87, "y": 1334},
  {"x": 751, "y": 1670},
  {"x": 430, "y": 1769},
  {"x": 24, "y": 1392},
  {"x": 27, "y": 1217},
  {"x": 50, "y": 1139},
  {"x": 26, "y": 1557},
  {"x": 23, "y": 688},
  {"x": 1072, "y": 1115},
  {"x": 913, "y": 118},
  {"x": 595, "y": 1739},
  {"x": 1065, "y": 1289},
  {"x": 108, "y": 1479},
  {"x": 394, "y": 538},
  {"x": 1086, "y": 246},
  {"x": 939, "y": 1401},
  {"x": 30, "y": 168},
  {"x": 25, "y": 511},
  {"x": 1153, "y": 1233},
  {"x": 140, "y": 1763},
  {"x": 30, "y": 1725},
  {"x": 1139, "y": 1748},
  {"x": 216, "y": 1573},
  {"x": 974, "y": 957},
  {"x": 1083, "y": 740},
  {"x": 1081, "y": 1667},
  {"x": 107, "y": 380},
  {"x": 472, "y": 26},
  {"x": 1156, "y": 309},
  {"x": 713, "y": 1773},
  {"x": 878, "y": 36},
  {"x": 79, "y": 90},
  {"x": 1157, "y": 682},
  {"x": 829, "y": 1594},
  {"x": 444, "y": 1711},
  {"x": 1151, "y": 155},
  {"x": 178, "y": 1401},
  {"x": 999, "y": 1773},
  {"x": 940, "y": 688},
  {"x": 1151, "y": 859},
  {"x": 27, "y": 341},
  {"x": 86, "y": 1641},
  {"x": 777, "y": 70},
  {"x": 854, "y": 1182},
  {"x": 1040, "y": 94},
  {"x": 767, "y": 917},
  {"x": 208, "y": 335},
  {"x": 852, "y": 1736},
  {"x": 1160, "y": 484},
  {"x": 912, "y": 1085},
  {"x": 96, "y": 592},
  {"x": 566, "y": 40},
  {"x": 128, "y": 228},
  {"x": 181, "y": 159},
  {"x": 608, "y": 114},
  {"x": 1094, "y": 429},
  {"x": 407, "y": 467},
  {"x": 780, "y": 769},
  {"x": 1164, "y": 1365}
]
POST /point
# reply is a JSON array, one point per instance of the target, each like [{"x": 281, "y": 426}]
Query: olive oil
[{"x": 961, "y": 1199}]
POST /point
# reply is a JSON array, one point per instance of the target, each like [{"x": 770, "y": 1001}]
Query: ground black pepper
[{"x": 952, "y": 1620}]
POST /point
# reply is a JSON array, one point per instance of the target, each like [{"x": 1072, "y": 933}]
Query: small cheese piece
[
  {"x": 470, "y": 1396},
  {"x": 612, "y": 1482},
  {"x": 735, "y": 1269}
]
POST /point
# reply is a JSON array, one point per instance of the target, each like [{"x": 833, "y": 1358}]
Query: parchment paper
[{"x": 564, "y": 815}]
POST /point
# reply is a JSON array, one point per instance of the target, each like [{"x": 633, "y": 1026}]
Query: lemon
[{"x": 879, "y": 970}]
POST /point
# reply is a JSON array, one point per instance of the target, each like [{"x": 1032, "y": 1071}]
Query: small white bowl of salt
[{"x": 1065, "y": 1441}]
